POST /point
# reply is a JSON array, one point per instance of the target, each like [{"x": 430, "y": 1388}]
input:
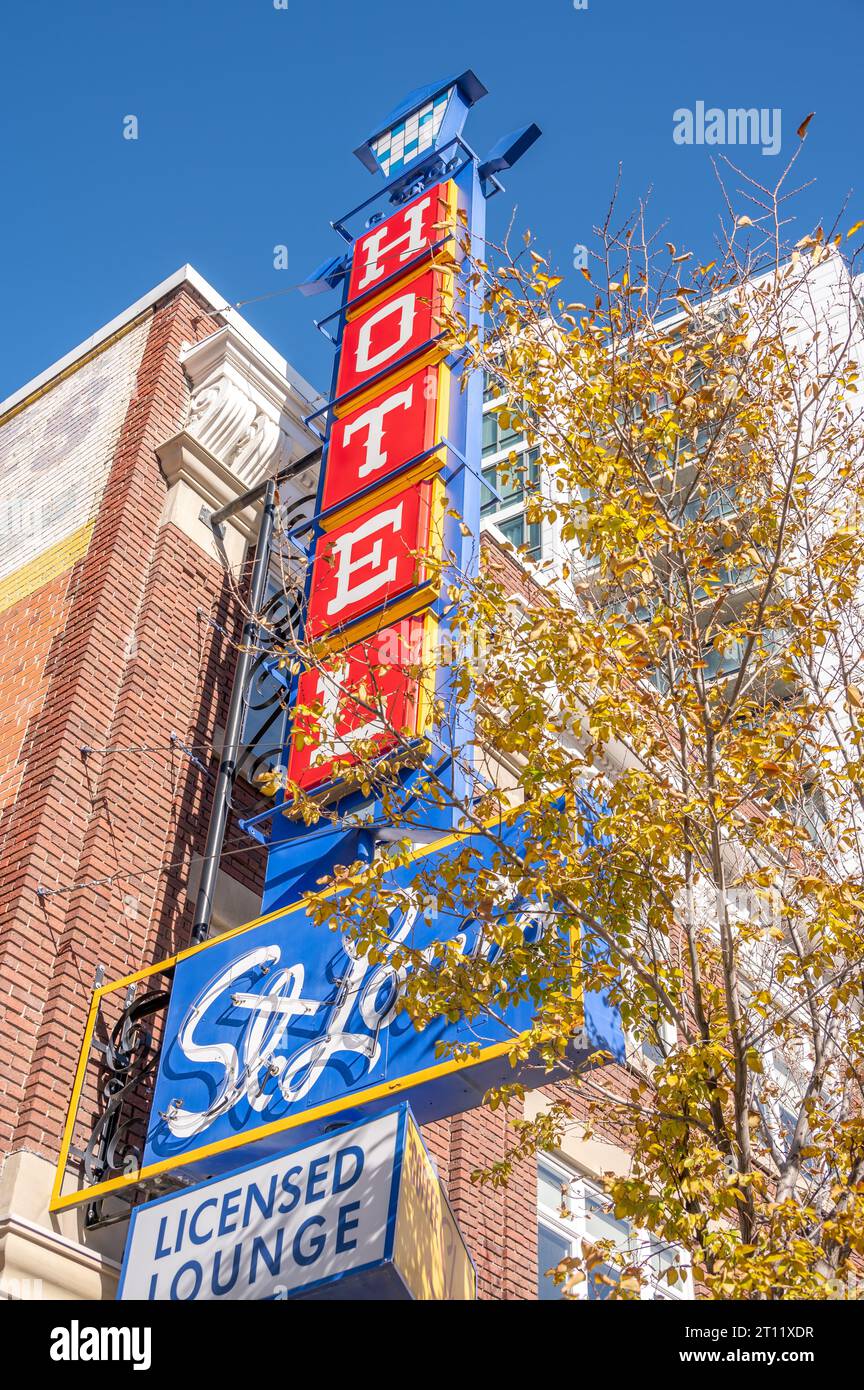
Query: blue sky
[{"x": 248, "y": 115}]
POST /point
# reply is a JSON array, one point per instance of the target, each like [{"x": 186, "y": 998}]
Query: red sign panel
[
  {"x": 369, "y": 692},
  {"x": 400, "y": 424},
  {"x": 372, "y": 559},
  {"x": 376, "y": 562},
  {"x": 385, "y": 334},
  {"x": 393, "y": 245}
]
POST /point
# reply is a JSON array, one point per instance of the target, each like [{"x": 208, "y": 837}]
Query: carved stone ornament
[
  {"x": 244, "y": 423},
  {"x": 243, "y": 407}
]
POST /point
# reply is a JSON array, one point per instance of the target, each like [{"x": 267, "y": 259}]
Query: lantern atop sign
[{"x": 428, "y": 119}]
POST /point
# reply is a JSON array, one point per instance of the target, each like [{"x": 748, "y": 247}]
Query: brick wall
[
  {"x": 126, "y": 660},
  {"x": 27, "y": 631},
  {"x": 56, "y": 454},
  {"x": 499, "y": 1224}
]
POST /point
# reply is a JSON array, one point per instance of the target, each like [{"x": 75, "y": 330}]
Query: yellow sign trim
[{"x": 61, "y": 1201}]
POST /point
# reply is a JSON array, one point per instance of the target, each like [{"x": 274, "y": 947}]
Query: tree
[{"x": 693, "y": 654}]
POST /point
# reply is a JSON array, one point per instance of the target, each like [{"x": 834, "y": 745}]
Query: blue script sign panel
[{"x": 284, "y": 1026}]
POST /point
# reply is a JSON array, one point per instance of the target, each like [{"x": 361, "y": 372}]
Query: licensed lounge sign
[{"x": 356, "y": 1214}]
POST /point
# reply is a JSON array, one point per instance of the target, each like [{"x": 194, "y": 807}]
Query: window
[
  {"x": 656, "y": 1040},
  {"x": 519, "y": 533},
  {"x": 495, "y": 438},
  {"x": 504, "y": 481},
  {"x": 553, "y": 1246},
  {"x": 783, "y": 1090},
  {"x": 491, "y": 388},
  {"x": 714, "y": 506},
  {"x": 723, "y": 576},
  {"x": 654, "y": 1048},
  {"x": 502, "y": 498},
  {"x": 571, "y": 1209},
  {"x": 812, "y": 812}
]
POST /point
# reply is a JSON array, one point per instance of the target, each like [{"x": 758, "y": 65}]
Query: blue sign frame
[
  {"x": 282, "y": 1026},
  {"x": 447, "y": 159}
]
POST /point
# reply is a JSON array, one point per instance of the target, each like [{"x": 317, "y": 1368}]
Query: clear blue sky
[{"x": 248, "y": 115}]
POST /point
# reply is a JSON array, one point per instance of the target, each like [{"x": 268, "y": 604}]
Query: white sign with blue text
[{"x": 273, "y": 1229}]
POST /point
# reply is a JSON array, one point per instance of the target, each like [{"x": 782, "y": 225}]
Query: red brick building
[{"x": 117, "y": 616}]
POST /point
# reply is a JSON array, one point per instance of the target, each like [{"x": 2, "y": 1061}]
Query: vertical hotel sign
[
  {"x": 378, "y": 559},
  {"x": 400, "y": 486},
  {"x": 377, "y": 562}
]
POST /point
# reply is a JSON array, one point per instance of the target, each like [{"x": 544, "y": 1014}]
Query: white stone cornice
[
  {"x": 242, "y": 409},
  {"x": 244, "y": 423},
  {"x": 187, "y": 463}
]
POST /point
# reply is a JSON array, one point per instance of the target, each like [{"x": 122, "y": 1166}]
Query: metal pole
[
  {"x": 291, "y": 471},
  {"x": 231, "y": 744}
]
